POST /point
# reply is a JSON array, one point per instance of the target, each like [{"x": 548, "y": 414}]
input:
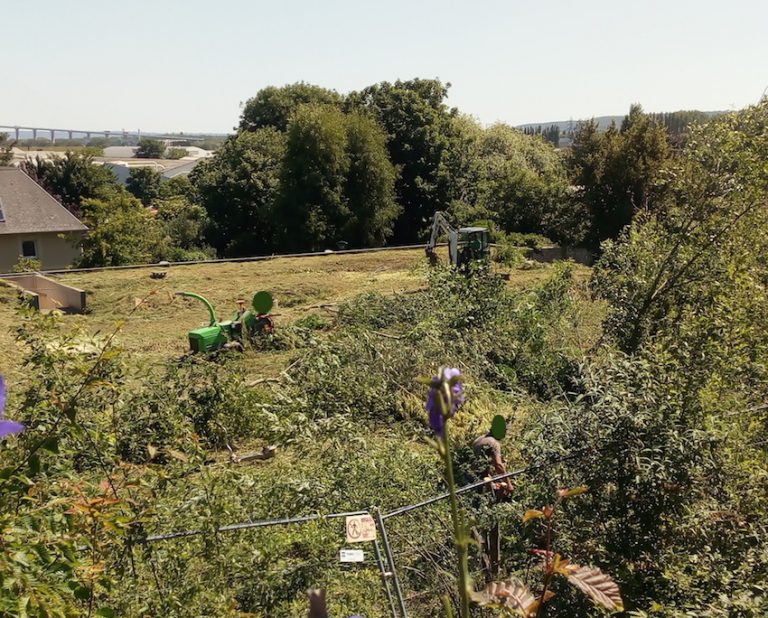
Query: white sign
[
  {"x": 360, "y": 528},
  {"x": 351, "y": 555}
]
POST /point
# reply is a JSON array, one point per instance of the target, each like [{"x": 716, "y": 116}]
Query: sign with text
[
  {"x": 360, "y": 528},
  {"x": 351, "y": 555}
]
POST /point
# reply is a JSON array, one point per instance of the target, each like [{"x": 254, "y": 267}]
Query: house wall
[{"x": 54, "y": 252}]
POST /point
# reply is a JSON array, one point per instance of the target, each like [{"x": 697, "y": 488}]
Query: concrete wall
[
  {"x": 556, "y": 254},
  {"x": 53, "y": 252},
  {"x": 46, "y": 294}
]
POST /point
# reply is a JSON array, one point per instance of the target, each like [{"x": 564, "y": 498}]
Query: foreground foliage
[{"x": 661, "y": 415}]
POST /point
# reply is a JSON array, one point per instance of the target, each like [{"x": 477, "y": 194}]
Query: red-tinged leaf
[
  {"x": 533, "y": 608},
  {"x": 532, "y": 514},
  {"x": 511, "y": 595},
  {"x": 575, "y": 491},
  {"x": 540, "y": 552},
  {"x": 597, "y": 585}
]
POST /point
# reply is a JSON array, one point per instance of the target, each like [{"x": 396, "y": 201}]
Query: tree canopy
[
  {"x": 417, "y": 122},
  {"x": 150, "y": 149},
  {"x": 72, "y": 178},
  {"x": 238, "y": 188},
  {"x": 617, "y": 172},
  {"x": 273, "y": 106},
  {"x": 145, "y": 184}
]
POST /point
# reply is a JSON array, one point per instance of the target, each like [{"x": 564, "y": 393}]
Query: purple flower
[
  {"x": 7, "y": 428},
  {"x": 457, "y": 390},
  {"x": 437, "y": 401},
  {"x": 436, "y": 420}
]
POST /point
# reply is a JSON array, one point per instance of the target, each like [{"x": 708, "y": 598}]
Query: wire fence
[{"x": 437, "y": 557}]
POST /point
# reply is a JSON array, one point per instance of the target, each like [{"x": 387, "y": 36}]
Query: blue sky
[{"x": 162, "y": 65}]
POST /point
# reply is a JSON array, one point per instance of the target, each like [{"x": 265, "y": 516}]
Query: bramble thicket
[{"x": 647, "y": 386}]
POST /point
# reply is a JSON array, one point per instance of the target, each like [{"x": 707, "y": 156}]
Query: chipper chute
[{"x": 245, "y": 324}]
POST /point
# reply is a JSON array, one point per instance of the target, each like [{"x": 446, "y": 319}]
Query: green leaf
[
  {"x": 498, "y": 427},
  {"x": 34, "y": 465},
  {"x": 106, "y": 612},
  {"x": 82, "y": 593},
  {"x": 51, "y": 444}
]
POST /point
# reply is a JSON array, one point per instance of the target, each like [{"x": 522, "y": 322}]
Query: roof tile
[{"x": 28, "y": 208}]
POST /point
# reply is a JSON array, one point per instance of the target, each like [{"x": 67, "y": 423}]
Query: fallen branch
[
  {"x": 268, "y": 452},
  {"x": 263, "y": 381},
  {"x": 388, "y": 336}
]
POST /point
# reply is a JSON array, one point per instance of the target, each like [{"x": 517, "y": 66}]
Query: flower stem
[{"x": 459, "y": 531}]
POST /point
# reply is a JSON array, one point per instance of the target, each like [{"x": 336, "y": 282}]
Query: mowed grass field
[{"x": 157, "y": 329}]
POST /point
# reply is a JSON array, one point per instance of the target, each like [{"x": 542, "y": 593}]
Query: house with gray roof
[{"x": 35, "y": 225}]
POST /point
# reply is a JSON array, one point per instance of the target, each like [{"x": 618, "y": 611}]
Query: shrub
[{"x": 25, "y": 265}]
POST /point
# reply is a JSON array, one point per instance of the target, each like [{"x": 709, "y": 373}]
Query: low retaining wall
[
  {"x": 557, "y": 254},
  {"x": 46, "y": 294}
]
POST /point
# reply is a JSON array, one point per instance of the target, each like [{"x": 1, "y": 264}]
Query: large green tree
[
  {"x": 417, "y": 122},
  {"x": 524, "y": 186},
  {"x": 238, "y": 188},
  {"x": 273, "y": 106},
  {"x": 121, "y": 231},
  {"x": 312, "y": 206},
  {"x": 369, "y": 188},
  {"x": 150, "y": 149},
  {"x": 517, "y": 181},
  {"x": 337, "y": 182},
  {"x": 181, "y": 226},
  {"x": 145, "y": 184}
]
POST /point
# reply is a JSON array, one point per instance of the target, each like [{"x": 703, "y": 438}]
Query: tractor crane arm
[{"x": 440, "y": 224}]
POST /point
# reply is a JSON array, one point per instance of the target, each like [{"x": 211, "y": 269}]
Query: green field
[{"x": 157, "y": 329}]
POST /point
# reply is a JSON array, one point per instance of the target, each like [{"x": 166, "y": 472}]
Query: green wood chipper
[{"x": 245, "y": 324}]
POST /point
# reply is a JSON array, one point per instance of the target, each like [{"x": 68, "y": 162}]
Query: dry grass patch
[{"x": 157, "y": 330}]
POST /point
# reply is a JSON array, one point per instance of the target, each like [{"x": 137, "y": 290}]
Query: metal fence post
[
  {"x": 385, "y": 575},
  {"x": 391, "y": 562}
]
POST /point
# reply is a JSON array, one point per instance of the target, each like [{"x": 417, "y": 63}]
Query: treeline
[
  {"x": 149, "y": 220},
  {"x": 309, "y": 169},
  {"x": 550, "y": 133},
  {"x": 678, "y": 122}
]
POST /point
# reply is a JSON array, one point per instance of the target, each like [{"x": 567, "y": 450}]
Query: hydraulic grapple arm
[{"x": 440, "y": 223}]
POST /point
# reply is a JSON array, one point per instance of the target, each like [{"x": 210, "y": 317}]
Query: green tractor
[
  {"x": 466, "y": 245},
  {"x": 245, "y": 324}
]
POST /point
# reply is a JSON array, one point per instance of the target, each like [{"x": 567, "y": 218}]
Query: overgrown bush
[{"x": 663, "y": 418}]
